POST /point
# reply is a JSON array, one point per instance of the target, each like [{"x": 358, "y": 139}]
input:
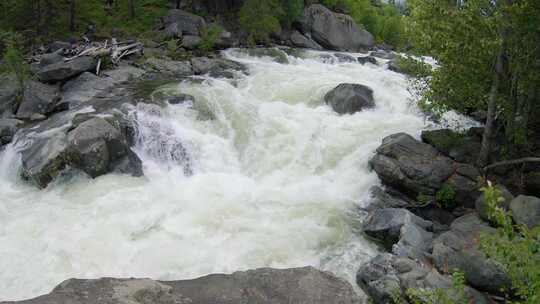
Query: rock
[
  {"x": 172, "y": 30},
  {"x": 217, "y": 68},
  {"x": 92, "y": 145},
  {"x": 462, "y": 147},
  {"x": 411, "y": 166},
  {"x": 464, "y": 182},
  {"x": 344, "y": 57},
  {"x": 381, "y": 199},
  {"x": 383, "y": 54},
  {"x": 62, "y": 71},
  {"x": 299, "y": 40},
  {"x": 59, "y": 45},
  {"x": 526, "y": 210},
  {"x": 8, "y": 128},
  {"x": 481, "y": 206},
  {"x": 458, "y": 249},
  {"x": 51, "y": 58},
  {"x": 180, "y": 99},
  {"x": 275, "y": 54},
  {"x": 334, "y": 31},
  {"x": 173, "y": 68},
  {"x": 273, "y": 286},
  {"x": 8, "y": 95},
  {"x": 386, "y": 274},
  {"x": 394, "y": 66},
  {"x": 183, "y": 23},
  {"x": 191, "y": 42},
  {"x": 367, "y": 59},
  {"x": 349, "y": 98},
  {"x": 38, "y": 98},
  {"x": 400, "y": 231},
  {"x": 226, "y": 40}
]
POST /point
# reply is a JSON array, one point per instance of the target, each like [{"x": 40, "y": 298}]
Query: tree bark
[
  {"x": 132, "y": 9},
  {"x": 72, "y": 15},
  {"x": 178, "y": 4}
]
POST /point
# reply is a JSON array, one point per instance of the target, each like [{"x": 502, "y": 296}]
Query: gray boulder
[
  {"x": 62, "y": 71},
  {"x": 38, "y": 98},
  {"x": 59, "y": 45},
  {"x": 458, "y": 249},
  {"x": 462, "y": 147},
  {"x": 277, "y": 55},
  {"x": 8, "y": 128},
  {"x": 367, "y": 59},
  {"x": 216, "y": 67},
  {"x": 8, "y": 94},
  {"x": 387, "y": 276},
  {"x": 349, "y": 98},
  {"x": 273, "y": 286},
  {"x": 191, "y": 42},
  {"x": 481, "y": 206},
  {"x": 51, "y": 58},
  {"x": 69, "y": 140},
  {"x": 169, "y": 67},
  {"x": 411, "y": 166},
  {"x": 301, "y": 41},
  {"x": 526, "y": 210},
  {"x": 334, "y": 31},
  {"x": 464, "y": 181},
  {"x": 179, "y": 23},
  {"x": 172, "y": 30}
]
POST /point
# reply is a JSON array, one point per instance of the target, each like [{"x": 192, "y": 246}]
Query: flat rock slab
[{"x": 297, "y": 285}]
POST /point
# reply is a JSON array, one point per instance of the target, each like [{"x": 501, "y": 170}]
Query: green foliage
[
  {"x": 292, "y": 10},
  {"x": 454, "y": 295},
  {"x": 414, "y": 67},
  {"x": 209, "y": 37},
  {"x": 446, "y": 197},
  {"x": 260, "y": 19},
  {"x": 517, "y": 249},
  {"x": 13, "y": 60}
]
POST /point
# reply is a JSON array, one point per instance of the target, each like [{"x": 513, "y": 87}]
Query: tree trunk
[
  {"x": 487, "y": 137},
  {"x": 132, "y": 9},
  {"x": 178, "y": 4},
  {"x": 72, "y": 15}
]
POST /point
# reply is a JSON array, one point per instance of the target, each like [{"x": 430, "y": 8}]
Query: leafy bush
[
  {"x": 413, "y": 67},
  {"x": 516, "y": 248},
  {"x": 259, "y": 19},
  {"x": 13, "y": 61},
  {"x": 209, "y": 37},
  {"x": 446, "y": 197}
]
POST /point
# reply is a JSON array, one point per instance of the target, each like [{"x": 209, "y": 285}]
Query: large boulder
[
  {"x": 400, "y": 231},
  {"x": 458, "y": 249},
  {"x": 8, "y": 95},
  {"x": 301, "y": 41},
  {"x": 179, "y": 23},
  {"x": 462, "y": 147},
  {"x": 38, "y": 100},
  {"x": 91, "y": 144},
  {"x": 411, "y": 166},
  {"x": 334, "y": 31},
  {"x": 216, "y": 67},
  {"x": 526, "y": 210},
  {"x": 273, "y": 286},
  {"x": 387, "y": 276},
  {"x": 349, "y": 98},
  {"x": 8, "y": 128},
  {"x": 63, "y": 70}
]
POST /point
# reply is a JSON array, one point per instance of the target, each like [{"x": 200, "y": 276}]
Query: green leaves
[{"x": 260, "y": 19}]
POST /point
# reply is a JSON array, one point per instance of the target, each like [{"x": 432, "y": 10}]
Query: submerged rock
[
  {"x": 344, "y": 57},
  {"x": 367, "y": 59},
  {"x": 349, "y": 98},
  {"x": 273, "y": 286},
  {"x": 334, "y": 31}
]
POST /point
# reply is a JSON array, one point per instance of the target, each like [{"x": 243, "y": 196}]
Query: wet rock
[
  {"x": 273, "y": 286},
  {"x": 170, "y": 67},
  {"x": 8, "y": 128},
  {"x": 216, "y": 67},
  {"x": 411, "y": 166},
  {"x": 349, "y": 98},
  {"x": 386, "y": 274},
  {"x": 344, "y": 57},
  {"x": 481, "y": 206},
  {"x": 301, "y": 41},
  {"x": 180, "y": 99},
  {"x": 38, "y": 98},
  {"x": 62, "y": 71},
  {"x": 383, "y": 54},
  {"x": 334, "y": 31},
  {"x": 367, "y": 59},
  {"x": 179, "y": 23},
  {"x": 276, "y": 54},
  {"x": 526, "y": 210},
  {"x": 191, "y": 42},
  {"x": 458, "y": 249},
  {"x": 400, "y": 231}
]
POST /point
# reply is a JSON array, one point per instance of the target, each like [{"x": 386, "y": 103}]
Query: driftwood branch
[{"x": 513, "y": 162}]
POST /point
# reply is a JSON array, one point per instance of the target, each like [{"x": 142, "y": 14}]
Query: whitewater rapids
[{"x": 275, "y": 179}]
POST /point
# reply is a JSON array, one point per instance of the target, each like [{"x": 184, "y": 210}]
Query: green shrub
[
  {"x": 446, "y": 197},
  {"x": 209, "y": 37},
  {"x": 14, "y": 62},
  {"x": 413, "y": 67},
  {"x": 260, "y": 19}
]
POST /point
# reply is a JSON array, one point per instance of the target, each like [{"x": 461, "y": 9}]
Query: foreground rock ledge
[{"x": 288, "y": 286}]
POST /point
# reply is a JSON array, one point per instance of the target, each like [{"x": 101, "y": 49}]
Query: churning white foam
[{"x": 272, "y": 179}]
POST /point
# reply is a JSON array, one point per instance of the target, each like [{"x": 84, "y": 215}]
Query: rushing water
[{"x": 274, "y": 179}]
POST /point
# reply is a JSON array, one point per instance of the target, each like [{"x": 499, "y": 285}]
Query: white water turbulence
[{"x": 267, "y": 175}]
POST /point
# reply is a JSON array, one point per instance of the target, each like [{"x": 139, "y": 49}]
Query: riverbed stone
[
  {"x": 64, "y": 70},
  {"x": 349, "y": 98}
]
